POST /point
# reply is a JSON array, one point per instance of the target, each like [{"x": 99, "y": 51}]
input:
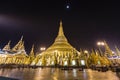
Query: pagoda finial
[
  {"x": 60, "y": 22},
  {"x": 61, "y": 33}
]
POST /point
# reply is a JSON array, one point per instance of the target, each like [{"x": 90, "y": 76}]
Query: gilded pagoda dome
[
  {"x": 60, "y": 44},
  {"x": 59, "y": 53}
]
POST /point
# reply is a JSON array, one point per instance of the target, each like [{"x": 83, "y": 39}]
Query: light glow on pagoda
[
  {"x": 73, "y": 62},
  {"x": 83, "y": 62},
  {"x": 65, "y": 63}
]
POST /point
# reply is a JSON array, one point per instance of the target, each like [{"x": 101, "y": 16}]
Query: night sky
[{"x": 84, "y": 22}]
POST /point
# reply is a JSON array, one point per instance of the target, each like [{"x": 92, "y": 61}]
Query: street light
[
  {"x": 42, "y": 48},
  {"x": 100, "y": 43}
]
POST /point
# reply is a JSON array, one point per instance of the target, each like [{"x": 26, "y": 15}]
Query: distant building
[{"x": 16, "y": 55}]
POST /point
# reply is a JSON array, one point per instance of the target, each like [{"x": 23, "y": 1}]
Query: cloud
[{"x": 10, "y": 22}]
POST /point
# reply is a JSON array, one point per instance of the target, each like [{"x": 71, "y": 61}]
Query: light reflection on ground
[{"x": 58, "y": 74}]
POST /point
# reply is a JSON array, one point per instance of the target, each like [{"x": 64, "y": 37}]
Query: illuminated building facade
[{"x": 16, "y": 55}]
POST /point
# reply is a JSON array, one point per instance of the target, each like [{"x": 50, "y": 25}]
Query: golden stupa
[
  {"x": 60, "y": 44},
  {"x": 59, "y": 52}
]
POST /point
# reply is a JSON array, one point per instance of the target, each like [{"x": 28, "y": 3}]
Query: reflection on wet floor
[
  {"x": 118, "y": 74},
  {"x": 58, "y": 74}
]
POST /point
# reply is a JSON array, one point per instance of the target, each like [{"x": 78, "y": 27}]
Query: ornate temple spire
[
  {"x": 108, "y": 51},
  {"x": 117, "y": 51},
  {"x": 21, "y": 38},
  {"x": 22, "y": 47},
  {"x": 60, "y": 33},
  {"x": 32, "y": 52},
  {"x": 7, "y": 47},
  {"x": 18, "y": 45},
  {"x": 61, "y": 37}
]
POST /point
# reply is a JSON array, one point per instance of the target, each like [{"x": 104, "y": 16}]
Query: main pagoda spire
[
  {"x": 60, "y": 33},
  {"x": 61, "y": 37}
]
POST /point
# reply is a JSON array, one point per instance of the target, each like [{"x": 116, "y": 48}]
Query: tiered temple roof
[{"x": 16, "y": 55}]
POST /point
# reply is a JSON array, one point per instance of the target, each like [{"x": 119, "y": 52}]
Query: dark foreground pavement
[{"x": 6, "y": 78}]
